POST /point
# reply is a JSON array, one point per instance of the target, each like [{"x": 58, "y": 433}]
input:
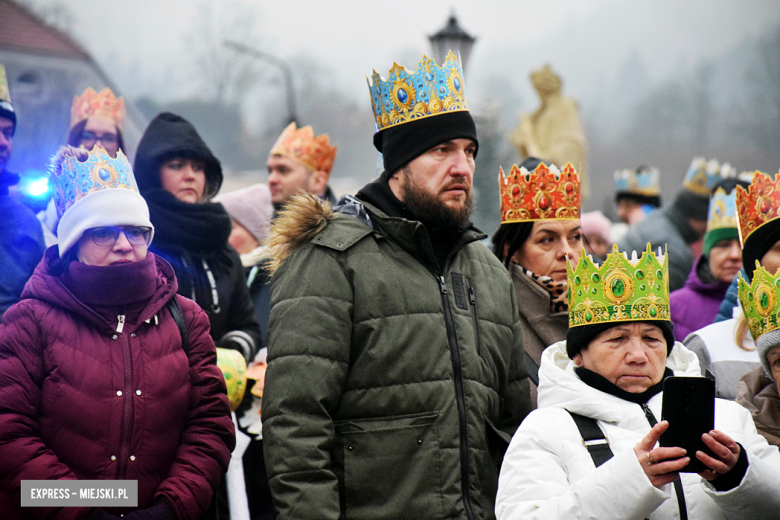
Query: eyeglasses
[
  {"x": 90, "y": 138},
  {"x": 107, "y": 236}
]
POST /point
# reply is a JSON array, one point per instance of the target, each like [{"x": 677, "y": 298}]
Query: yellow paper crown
[
  {"x": 300, "y": 144},
  {"x": 5, "y": 94},
  {"x": 104, "y": 104},
  {"x": 544, "y": 194},
  {"x": 620, "y": 290}
]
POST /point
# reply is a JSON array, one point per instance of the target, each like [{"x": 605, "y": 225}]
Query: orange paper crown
[
  {"x": 758, "y": 204},
  {"x": 544, "y": 194},
  {"x": 105, "y": 105},
  {"x": 300, "y": 144}
]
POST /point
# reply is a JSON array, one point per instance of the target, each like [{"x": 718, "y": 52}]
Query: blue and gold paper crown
[
  {"x": 643, "y": 183},
  {"x": 703, "y": 175},
  {"x": 405, "y": 96},
  {"x": 619, "y": 290},
  {"x": 75, "y": 179},
  {"x": 723, "y": 210}
]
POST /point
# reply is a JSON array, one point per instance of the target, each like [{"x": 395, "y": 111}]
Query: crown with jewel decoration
[
  {"x": 547, "y": 193},
  {"x": 760, "y": 302},
  {"x": 723, "y": 210},
  {"x": 644, "y": 182},
  {"x": 300, "y": 144},
  {"x": 405, "y": 95},
  {"x": 104, "y": 104},
  {"x": 703, "y": 175},
  {"x": 74, "y": 180},
  {"x": 619, "y": 290},
  {"x": 757, "y": 205}
]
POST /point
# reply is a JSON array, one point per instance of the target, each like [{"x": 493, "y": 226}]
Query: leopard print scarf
[{"x": 559, "y": 297}]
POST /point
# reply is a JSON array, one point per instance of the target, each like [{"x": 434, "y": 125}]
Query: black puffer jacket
[{"x": 193, "y": 237}]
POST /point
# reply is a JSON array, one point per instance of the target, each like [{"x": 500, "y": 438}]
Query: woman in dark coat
[
  {"x": 94, "y": 381},
  {"x": 178, "y": 175},
  {"x": 533, "y": 244}
]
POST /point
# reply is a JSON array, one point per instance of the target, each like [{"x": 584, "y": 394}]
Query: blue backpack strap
[{"x": 593, "y": 438}]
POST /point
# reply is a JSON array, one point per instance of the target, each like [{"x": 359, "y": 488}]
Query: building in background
[{"x": 46, "y": 68}]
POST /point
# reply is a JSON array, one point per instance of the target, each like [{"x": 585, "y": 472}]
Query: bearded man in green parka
[{"x": 395, "y": 375}]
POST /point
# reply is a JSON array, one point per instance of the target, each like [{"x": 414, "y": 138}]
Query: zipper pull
[
  {"x": 472, "y": 298},
  {"x": 442, "y": 285},
  {"x": 121, "y": 325}
]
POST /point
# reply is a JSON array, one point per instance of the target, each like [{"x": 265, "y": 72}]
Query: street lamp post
[
  {"x": 286, "y": 71},
  {"x": 452, "y": 37}
]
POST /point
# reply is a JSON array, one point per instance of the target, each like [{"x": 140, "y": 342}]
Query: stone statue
[{"x": 553, "y": 133}]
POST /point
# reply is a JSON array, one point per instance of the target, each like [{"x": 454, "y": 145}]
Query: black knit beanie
[
  {"x": 578, "y": 338},
  {"x": 692, "y": 205},
  {"x": 757, "y": 245},
  {"x": 402, "y": 143}
]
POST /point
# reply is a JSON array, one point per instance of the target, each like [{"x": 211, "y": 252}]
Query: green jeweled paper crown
[
  {"x": 760, "y": 301},
  {"x": 619, "y": 290},
  {"x": 406, "y": 95}
]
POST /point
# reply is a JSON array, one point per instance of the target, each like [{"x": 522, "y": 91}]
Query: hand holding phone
[{"x": 689, "y": 406}]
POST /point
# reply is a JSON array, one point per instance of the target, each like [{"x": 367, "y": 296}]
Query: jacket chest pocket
[{"x": 391, "y": 468}]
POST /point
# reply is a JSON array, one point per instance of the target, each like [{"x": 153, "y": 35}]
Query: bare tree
[{"x": 221, "y": 74}]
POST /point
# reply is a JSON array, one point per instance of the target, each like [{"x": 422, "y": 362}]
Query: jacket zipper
[
  {"x": 124, "y": 442},
  {"x": 473, "y": 310},
  {"x": 459, "y": 398}
]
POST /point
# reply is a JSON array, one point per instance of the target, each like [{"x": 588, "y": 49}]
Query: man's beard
[{"x": 432, "y": 211}]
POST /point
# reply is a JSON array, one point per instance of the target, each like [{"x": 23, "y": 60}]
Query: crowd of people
[{"x": 275, "y": 352}]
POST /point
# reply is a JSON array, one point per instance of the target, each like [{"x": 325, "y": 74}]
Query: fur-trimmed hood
[{"x": 302, "y": 218}]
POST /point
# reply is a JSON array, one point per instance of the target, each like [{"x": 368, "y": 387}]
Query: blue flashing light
[{"x": 39, "y": 187}]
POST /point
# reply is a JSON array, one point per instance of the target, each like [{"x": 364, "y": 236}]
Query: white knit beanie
[
  {"x": 98, "y": 191},
  {"x": 115, "y": 207}
]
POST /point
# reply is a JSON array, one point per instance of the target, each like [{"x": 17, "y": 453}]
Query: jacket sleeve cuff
[{"x": 734, "y": 477}]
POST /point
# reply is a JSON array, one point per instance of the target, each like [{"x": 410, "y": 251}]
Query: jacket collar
[
  {"x": 561, "y": 387},
  {"x": 413, "y": 237}
]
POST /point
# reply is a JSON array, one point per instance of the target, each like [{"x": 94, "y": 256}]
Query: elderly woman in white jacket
[{"x": 611, "y": 368}]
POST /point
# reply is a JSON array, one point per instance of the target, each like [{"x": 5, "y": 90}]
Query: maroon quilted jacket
[{"x": 83, "y": 397}]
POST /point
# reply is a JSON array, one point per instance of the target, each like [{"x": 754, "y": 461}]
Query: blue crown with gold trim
[
  {"x": 405, "y": 96},
  {"x": 723, "y": 210},
  {"x": 703, "y": 175},
  {"x": 644, "y": 182},
  {"x": 74, "y": 180}
]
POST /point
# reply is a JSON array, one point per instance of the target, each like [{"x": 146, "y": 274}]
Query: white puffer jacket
[{"x": 548, "y": 473}]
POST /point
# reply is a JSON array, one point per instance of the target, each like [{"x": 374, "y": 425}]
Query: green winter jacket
[{"x": 392, "y": 391}]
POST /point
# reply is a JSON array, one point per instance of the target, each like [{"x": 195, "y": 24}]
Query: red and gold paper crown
[
  {"x": 544, "y": 194},
  {"x": 105, "y": 104},
  {"x": 300, "y": 144},
  {"x": 758, "y": 205}
]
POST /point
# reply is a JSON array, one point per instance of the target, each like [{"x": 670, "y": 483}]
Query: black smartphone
[{"x": 689, "y": 406}]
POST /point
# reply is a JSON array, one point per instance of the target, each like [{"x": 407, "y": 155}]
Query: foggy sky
[{"x": 143, "y": 45}]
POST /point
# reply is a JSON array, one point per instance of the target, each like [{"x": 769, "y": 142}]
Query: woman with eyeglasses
[
  {"x": 97, "y": 119},
  {"x": 105, "y": 372}
]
